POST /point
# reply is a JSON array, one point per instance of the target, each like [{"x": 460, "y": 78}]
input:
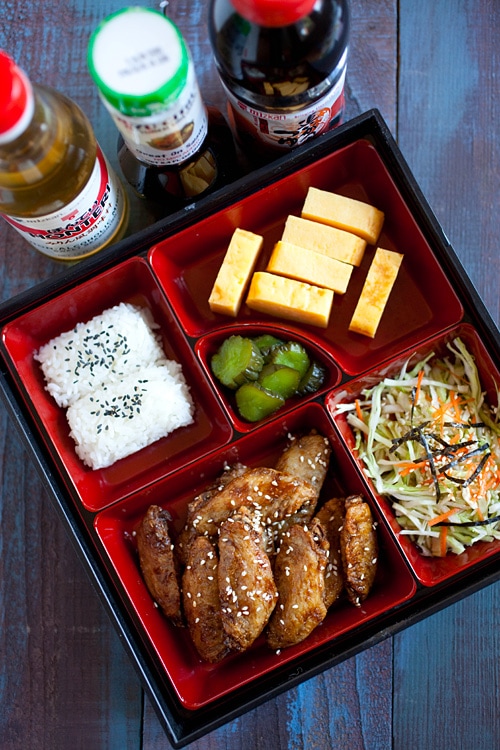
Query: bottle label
[
  {"x": 173, "y": 135},
  {"x": 283, "y": 130},
  {"x": 84, "y": 226}
]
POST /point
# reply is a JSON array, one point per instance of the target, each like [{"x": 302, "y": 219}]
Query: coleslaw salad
[{"x": 430, "y": 442}]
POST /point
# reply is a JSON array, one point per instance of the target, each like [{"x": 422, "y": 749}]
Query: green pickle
[
  {"x": 313, "y": 379},
  {"x": 266, "y": 342},
  {"x": 255, "y": 403},
  {"x": 291, "y": 354},
  {"x": 265, "y": 372},
  {"x": 279, "y": 379},
  {"x": 238, "y": 360}
]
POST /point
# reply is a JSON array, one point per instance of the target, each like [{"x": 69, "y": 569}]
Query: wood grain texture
[
  {"x": 448, "y": 114},
  {"x": 65, "y": 680}
]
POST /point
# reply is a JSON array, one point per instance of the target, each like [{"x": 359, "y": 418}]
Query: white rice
[
  {"x": 121, "y": 392},
  {"x": 121, "y": 418},
  {"x": 112, "y": 344}
]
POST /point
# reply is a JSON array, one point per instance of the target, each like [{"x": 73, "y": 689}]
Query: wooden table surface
[{"x": 432, "y": 69}]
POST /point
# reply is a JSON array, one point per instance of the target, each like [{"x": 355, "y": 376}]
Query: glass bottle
[
  {"x": 282, "y": 64},
  {"x": 56, "y": 187},
  {"x": 172, "y": 148}
]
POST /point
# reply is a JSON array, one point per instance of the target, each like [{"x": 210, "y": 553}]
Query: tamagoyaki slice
[
  {"x": 307, "y": 265},
  {"x": 375, "y": 293},
  {"x": 345, "y": 213},
  {"x": 235, "y": 272},
  {"x": 330, "y": 241},
  {"x": 290, "y": 299}
]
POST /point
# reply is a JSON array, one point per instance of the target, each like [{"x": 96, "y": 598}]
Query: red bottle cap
[
  {"x": 273, "y": 12},
  {"x": 14, "y": 93}
]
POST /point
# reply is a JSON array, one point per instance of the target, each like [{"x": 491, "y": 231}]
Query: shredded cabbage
[{"x": 430, "y": 442}]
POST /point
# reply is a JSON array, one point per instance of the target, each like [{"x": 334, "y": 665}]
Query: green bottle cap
[{"x": 138, "y": 60}]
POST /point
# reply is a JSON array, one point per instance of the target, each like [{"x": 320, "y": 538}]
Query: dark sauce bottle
[
  {"x": 172, "y": 148},
  {"x": 283, "y": 66},
  {"x": 173, "y": 186}
]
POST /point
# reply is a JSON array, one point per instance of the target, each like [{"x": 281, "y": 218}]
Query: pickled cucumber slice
[
  {"x": 292, "y": 354},
  {"x": 266, "y": 342},
  {"x": 255, "y": 403},
  {"x": 313, "y": 379},
  {"x": 237, "y": 361},
  {"x": 279, "y": 379}
]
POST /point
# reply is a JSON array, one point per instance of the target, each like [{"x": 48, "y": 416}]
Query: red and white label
[
  {"x": 171, "y": 136},
  {"x": 83, "y": 226},
  {"x": 286, "y": 129}
]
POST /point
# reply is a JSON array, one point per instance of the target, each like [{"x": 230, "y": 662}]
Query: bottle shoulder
[
  {"x": 172, "y": 186},
  {"x": 290, "y": 64},
  {"x": 51, "y": 160}
]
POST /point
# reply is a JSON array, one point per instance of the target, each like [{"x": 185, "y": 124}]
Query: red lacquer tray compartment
[
  {"x": 421, "y": 304},
  {"x": 429, "y": 569},
  {"x": 208, "y": 345},
  {"x": 132, "y": 282},
  {"x": 197, "y": 683}
]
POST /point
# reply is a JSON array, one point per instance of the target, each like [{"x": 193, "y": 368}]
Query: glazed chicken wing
[
  {"x": 331, "y": 518},
  {"x": 158, "y": 564},
  {"x": 202, "y": 609},
  {"x": 246, "y": 587},
  {"x": 358, "y": 544},
  {"x": 307, "y": 458},
  {"x": 270, "y": 493},
  {"x": 190, "y": 532},
  {"x": 299, "y": 573}
]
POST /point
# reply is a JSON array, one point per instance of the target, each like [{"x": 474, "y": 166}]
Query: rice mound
[
  {"x": 123, "y": 417},
  {"x": 120, "y": 391},
  {"x": 102, "y": 350}
]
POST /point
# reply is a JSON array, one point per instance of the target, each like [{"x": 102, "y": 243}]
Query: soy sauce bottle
[
  {"x": 56, "y": 186},
  {"x": 282, "y": 64},
  {"x": 172, "y": 148}
]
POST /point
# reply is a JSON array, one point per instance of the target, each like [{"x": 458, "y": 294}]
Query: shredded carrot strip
[
  {"x": 358, "y": 410},
  {"x": 441, "y": 517},
  {"x": 489, "y": 479},
  {"x": 408, "y": 466},
  {"x": 439, "y": 415},
  {"x": 417, "y": 389},
  {"x": 455, "y": 404}
]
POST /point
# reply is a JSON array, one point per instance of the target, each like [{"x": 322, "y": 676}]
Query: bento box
[{"x": 167, "y": 272}]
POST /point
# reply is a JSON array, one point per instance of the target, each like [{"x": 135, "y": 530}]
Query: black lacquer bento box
[{"x": 170, "y": 268}]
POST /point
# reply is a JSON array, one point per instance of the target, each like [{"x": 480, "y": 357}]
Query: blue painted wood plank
[
  {"x": 446, "y": 667},
  {"x": 65, "y": 680},
  {"x": 446, "y": 677},
  {"x": 349, "y": 706},
  {"x": 448, "y": 114}
]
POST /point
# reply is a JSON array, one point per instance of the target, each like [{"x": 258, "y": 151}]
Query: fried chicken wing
[
  {"x": 246, "y": 586},
  {"x": 190, "y": 532},
  {"x": 307, "y": 457},
  {"x": 358, "y": 544},
  {"x": 299, "y": 573},
  {"x": 331, "y": 518},
  {"x": 158, "y": 564},
  {"x": 265, "y": 491},
  {"x": 200, "y": 594}
]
